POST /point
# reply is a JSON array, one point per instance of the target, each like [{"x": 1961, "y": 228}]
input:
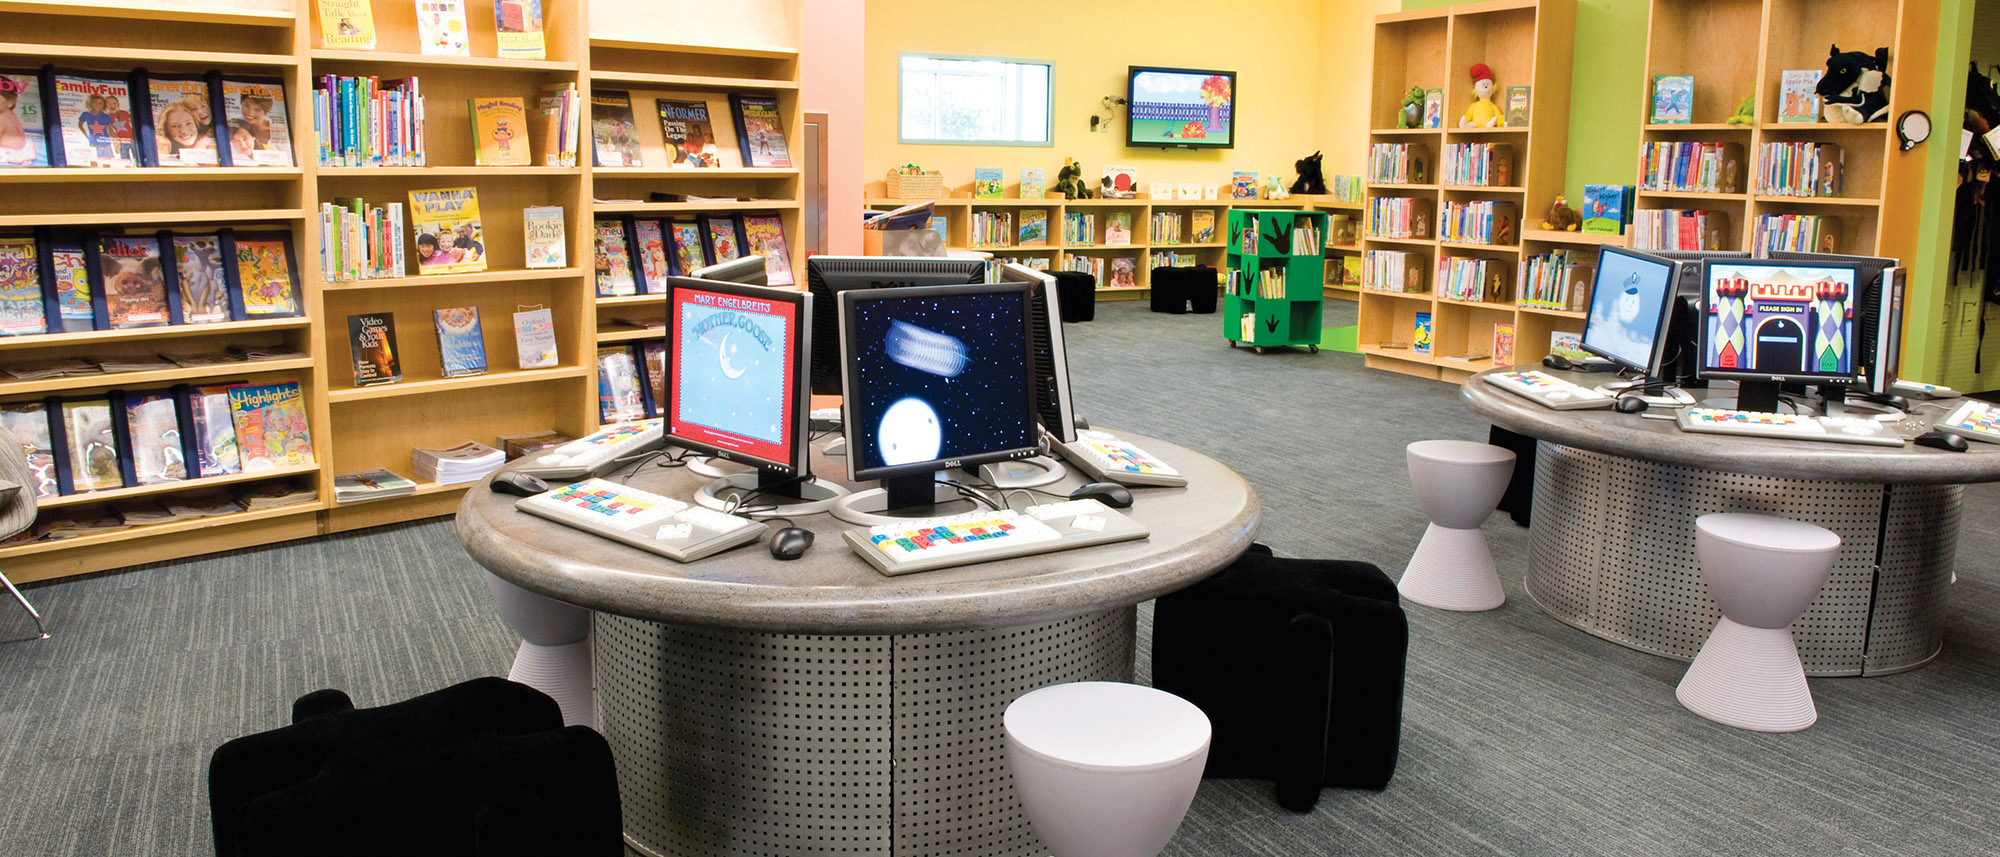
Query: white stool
[
  {"x": 1105, "y": 769},
  {"x": 554, "y": 657},
  {"x": 1763, "y": 572},
  {"x": 1458, "y": 483}
]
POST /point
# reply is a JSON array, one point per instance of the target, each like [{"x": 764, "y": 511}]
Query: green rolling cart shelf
[{"x": 1276, "y": 271}]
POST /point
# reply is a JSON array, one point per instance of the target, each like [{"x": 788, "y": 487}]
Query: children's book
[
  {"x": 689, "y": 133},
  {"x": 724, "y": 241},
  {"x": 181, "y": 129},
  {"x": 1119, "y": 183},
  {"x": 153, "y": 434},
  {"x": 653, "y": 362},
  {"x": 650, "y": 250},
  {"x": 1350, "y": 270},
  {"x": 1034, "y": 228},
  {"x": 91, "y": 441},
  {"x": 1118, "y": 228},
  {"x": 613, "y": 259},
  {"x": 1518, "y": 106},
  {"x": 461, "y": 344},
  {"x": 1433, "y": 108},
  {"x": 128, "y": 282},
  {"x": 1034, "y": 183},
  {"x": 500, "y": 131},
  {"x": 24, "y": 132},
  {"x": 253, "y": 111},
  {"x": 1798, "y": 97},
  {"x": 939, "y": 225},
  {"x": 346, "y": 25},
  {"x": 1604, "y": 208},
  {"x": 271, "y": 429},
  {"x": 1122, "y": 273},
  {"x": 371, "y": 338},
  {"x": 535, "y": 338},
  {"x": 202, "y": 279},
  {"x": 441, "y": 28},
  {"x": 543, "y": 232},
  {"x": 1420, "y": 341},
  {"x": 689, "y": 250},
  {"x": 989, "y": 183},
  {"x": 1673, "y": 99},
  {"x": 1565, "y": 343},
  {"x": 760, "y": 131},
  {"x": 267, "y": 274},
  {"x": 764, "y": 235},
  {"x": 448, "y": 235},
  {"x": 618, "y": 397},
  {"x": 1203, "y": 223},
  {"x": 614, "y": 137},
  {"x": 215, "y": 451},
  {"x": 29, "y": 423},
  {"x": 23, "y": 303},
  {"x": 518, "y": 25},
  {"x": 1503, "y": 343},
  {"x": 94, "y": 114},
  {"x": 1242, "y": 186}
]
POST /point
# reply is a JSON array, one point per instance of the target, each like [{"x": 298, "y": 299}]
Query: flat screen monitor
[
  {"x": 1689, "y": 262},
  {"x": 1051, "y": 364},
  {"x": 937, "y": 378},
  {"x": 1180, "y": 108},
  {"x": 1873, "y": 312},
  {"x": 736, "y": 389},
  {"x": 745, "y": 269},
  {"x": 1630, "y": 308},
  {"x": 1770, "y": 321},
  {"x": 828, "y": 276},
  {"x": 1882, "y": 331}
]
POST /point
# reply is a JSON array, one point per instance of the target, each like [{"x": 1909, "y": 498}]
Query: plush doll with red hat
[{"x": 1483, "y": 113}]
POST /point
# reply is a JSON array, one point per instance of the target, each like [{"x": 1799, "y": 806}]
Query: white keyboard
[
  {"x": 591, "y": 455},
  {"x": 1972, "y": 420},
  {"x": 1108, "y": 459},
  {"x": 642, "y": 519},
  {"x": 1548, "y": 390},
  {"x": 923, "y": 544},
  {"x": 1789, "y": 426}
]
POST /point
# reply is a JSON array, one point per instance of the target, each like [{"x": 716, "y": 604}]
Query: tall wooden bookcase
[
  {"x": 614, "y": 43},
  {"x": 1524, "y": 42}
]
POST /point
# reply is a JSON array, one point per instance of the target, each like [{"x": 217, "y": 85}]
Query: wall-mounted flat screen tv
[{"x": 1181, "y": 108}]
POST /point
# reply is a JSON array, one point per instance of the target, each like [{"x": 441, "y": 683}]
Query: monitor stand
[
  {"x": 1759, "y": 396},
  {"x": 900, "y": 499},
  {"x": 1669, "y": 396},
  {"x": 716, "y": 468},
  {"x": 787, "y": 498},
  {"x": 1025, "y": 473}
]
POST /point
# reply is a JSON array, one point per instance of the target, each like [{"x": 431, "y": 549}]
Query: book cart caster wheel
[
  {"x": 1260, "y": 349},
  {"x": 1232, "y": 342},
  {"x": 1313, "y": 348}
]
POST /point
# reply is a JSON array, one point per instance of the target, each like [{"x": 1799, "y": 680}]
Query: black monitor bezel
[
  {"x": 801, "y": 392},
  {"x": 1064, "y": 429},
  {"x": 1702, "y": 369},
  {"x": 851, "y": 427},
  {"x": 1655, "y": 365},
  {"x": 827, "y": 376},
  {"x": 1131, "y": 93},
  {"x": 748, "y": 270}
]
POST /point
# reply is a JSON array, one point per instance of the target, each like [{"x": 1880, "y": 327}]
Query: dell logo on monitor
[{"x": 951, "y": 463}]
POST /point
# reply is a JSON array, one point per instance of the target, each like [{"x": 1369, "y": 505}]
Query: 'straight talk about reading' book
[
  {"x": 372, "y": 340},
  {"x": 612, "y": 259},
  {"x": 258, "y": 130},
  {"x": 613, "y": 136},
  {"x": 346, "y": 24},
  {"x": 689, "y": 133},
  {"x": 23, "y": 310},
  {"x": 500, "y": 131},
  {"x": 271, "y": 429},
  {"x": 760, "y": 131},
  {"x": 203, "y": 280},
  {"x": 461, "y": 343},
  {"x": 448, "y": 235},
  {"x": 21, "y": 98}
]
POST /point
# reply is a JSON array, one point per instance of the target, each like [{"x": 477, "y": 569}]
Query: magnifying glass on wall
[{"x": 1913, "y": 127}]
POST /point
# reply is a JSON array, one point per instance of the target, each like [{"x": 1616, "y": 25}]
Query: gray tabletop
[
  {"x": 1195, "y": 531},
  {"x": 1660, "y": 440}
]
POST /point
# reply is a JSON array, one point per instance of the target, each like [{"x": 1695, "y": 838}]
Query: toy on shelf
[
  {"x": 1855, "y": 87},
  {"x": 1482, "y": 113},
  {"x": 1069, "y": 180},
  {"x": 1746, "y": 112},
  {"x": 1310, "y": 180},
  {"x": 1561, "y": 217},
  {"x": 1412, "y": 113},
  {"x": 1274, "y": 187}
]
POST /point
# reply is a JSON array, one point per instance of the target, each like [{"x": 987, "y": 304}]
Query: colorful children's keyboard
[
  {"x": 642, "y": 519},
  {"x": 1789, "y": 426},
  {"x": 929, "y": 543},
  {"x": 594, "y": 453},
  {"x": 1548, "y": 390},
  {"x": 1973, "y": 421},
  {"x": 1109, "y": 459}
]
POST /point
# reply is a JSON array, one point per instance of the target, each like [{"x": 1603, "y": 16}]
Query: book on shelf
[
  {"x": 989, "y": 183},
  {"x": 1124, "y": 273},
  {"x": 214, "y": 448},
  {"x": 721, "y": 238},
  {"x": 1187, "y": 190},
  {"x": 359, "y": 241},
  {"x": 689, "y": 133},
  {"x": 1519, "y": 106},
  {"x": 1350, "y": 270},
  {"x": 25, "y": 307},
  {"x": 1803, "y": 169},
  {"x": 277, "y": 494},
  {"x": 371, "y": 339},
  {"x": 544, "y": 236},
  {"x": 1242, "y": 185},
  {"x": 1689, "y": 166},
  {"x": 203, "y": 279},
  {"x": 152, "y": 432},
  {"x": 760, "y": 130},
  {"x": 448, "y": 234},
  {"x": 1420, "y": 334},
  {"x": 1673, "y": 99},
  {"x": 618, "y": 395},
  {"x": 91, "y": 455},
  {"x": 1160, "y": 190},
  {"x": 346, "y": 24},
  {"x": 461, "y": 342},
  {"x": 90, "y": 110},
  {"x": 1606, "y": 208},
  {"x": 361, "y": 122},
  {"x": 466, "y": 462},
  {"x": 28, "y": 145},
  {"x": 1119, "y": 182},
  {"x": 267, "y": 275},
  {"x": 1503, "y": 343},
  {"x": 378, "y": 484},
  {"x": 1567, "y": 343},
  {"x": 764, "y": 235},
  {"x": 690, "y": 251},
  {"x": 128, "y": 284},
  {"x": 535, "y": 338},
  {"x": 255, "y": 121},
  {"x": 1034, "y": 183},
  {"x": 207, "y": 504},
  {"x": 1479, "y": 221},
  {"x": 441, "y": 28},
  {"x": 652, "y": 360},
  {"x": 517, "y": 445},
  {"x": 1118, "y": 228},
  {"x": 517, "y": 26},
  {"x": 611, "y": 258},
  {"x": 649, "y": 252},
  {"x": 270, "y": 422},
  {"x": 29, "y": 423},
  {"x": 614, "y": 137},
  {"x": 1433, "y": 108},
  {"x": 1034, "y": 228},
  {"x": 1203, "y": 222},
  {"x": 499, "y": 131},
  {"x": 561, "y": 107},
  {"x": 1798, "y": 95},
  {"x": 179, "y": 130}
]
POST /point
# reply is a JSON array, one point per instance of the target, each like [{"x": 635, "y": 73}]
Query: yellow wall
[{"x": 1302, "y": 74}]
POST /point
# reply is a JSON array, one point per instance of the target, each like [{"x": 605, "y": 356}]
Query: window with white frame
[{"x": 989, "y": 102}]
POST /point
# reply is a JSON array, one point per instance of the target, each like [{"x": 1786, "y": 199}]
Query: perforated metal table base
[
  {"x": 745, "y": 743},
  {"x": 1613, "y": 554}
]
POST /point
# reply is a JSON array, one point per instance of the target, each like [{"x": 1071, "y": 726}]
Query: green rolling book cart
[{"x": 1276, "y": 266}]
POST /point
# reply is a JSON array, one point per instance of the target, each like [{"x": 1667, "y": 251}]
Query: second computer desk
[
  {"x": 1616, "y": 495},
  {"x": 815, "y": 706}
]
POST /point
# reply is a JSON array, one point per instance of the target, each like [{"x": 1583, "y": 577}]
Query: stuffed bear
[
  {"x": 1855, "y": 87},
  {"x": 1069, "y": 180},
  {"x": 1311, "y": 180}
]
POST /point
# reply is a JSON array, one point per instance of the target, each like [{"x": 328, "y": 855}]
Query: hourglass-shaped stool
[
  {"x": 1458, "y": 484},
  {"x": 1105, "y": 769},
  {"x": 554, "y": 657},
  {"x": 1763, "y": 572}
]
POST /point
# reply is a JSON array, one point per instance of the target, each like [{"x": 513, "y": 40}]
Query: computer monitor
[
  {"x": 828, "y": 276},
  {"x": 1881, "y": 326},
  {"x": 1771, "y": 321},
  {"x": 937, "y": 378},
  {"x": 745, "y": 269},
  {"x": 1630, "y": 308},
  {"x": 1051, "y": 365},
  {"x": 1689, "y": 263}
]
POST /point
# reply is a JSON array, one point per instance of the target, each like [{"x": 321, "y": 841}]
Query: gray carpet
[{"x": 1521, "y": 735}]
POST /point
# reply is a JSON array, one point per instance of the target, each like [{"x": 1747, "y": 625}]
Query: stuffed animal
[
  {"x": 1561, "y": 217},
  {"x": 1311, "y": 180},
  {"x": 1069, "y": 180},
  {"x": 1855, "y": 87},
  {"x": 1412, "y": 113},
  {"x": 1482, "y": 113},
  {"x": 1274, "y": 187},
  {"x": 1746, "y": 112}
]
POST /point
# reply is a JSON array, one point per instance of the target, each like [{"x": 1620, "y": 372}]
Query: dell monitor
[
  {"x": 1770, "y": 322},
  {"x": 1630, "y": 307},
  {"x": 1050, "y": 373},
  {"x": 743, "y": 269},
  {"x": 828, "y": 276},
  {"x": 1689, "y": 262},
  {"x": 937, "y": 378}
]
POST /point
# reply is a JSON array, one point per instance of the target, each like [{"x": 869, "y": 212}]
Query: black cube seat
[
  {"x": 1181, "y": 290},
  {"x": 1076, "y": 291}
]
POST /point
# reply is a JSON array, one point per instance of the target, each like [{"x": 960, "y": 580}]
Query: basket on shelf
[{"x": 928, "y": 184}]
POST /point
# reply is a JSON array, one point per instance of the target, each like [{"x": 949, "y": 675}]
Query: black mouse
[
  {"x": 518, "y": 484},
  {"x": 1628, "y": 404},
  {"x": 790, "y": 543},
  {"x": 1109, "y": 493},
  {"x": 1557, "y": 361},
  {"x": 1942, "y": 440}
]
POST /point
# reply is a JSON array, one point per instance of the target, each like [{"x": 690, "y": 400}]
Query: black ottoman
[
  {"x": 1076, "y": 291},
  {"x": 1175, "y": 289}
]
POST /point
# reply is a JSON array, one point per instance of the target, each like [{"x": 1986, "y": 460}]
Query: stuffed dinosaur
[
  {"x": 1412, "y": 113},
  {"x": 1746, "y": 112}
]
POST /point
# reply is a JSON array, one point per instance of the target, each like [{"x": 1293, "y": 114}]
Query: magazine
[
  {"x": 765, "y": 236},
  {"x": 214, "y": 431},
  {"x": 92, "y": 445},
  {"x": 651, "y": 254},
  {"x": 618, "y": 396},
  {"x": 760, "y": 131},
  {"x": 685, "y": 236},
  {"x": 24, "y": 135},
  {"x": 612, "y": 258},
  {"x": 183, "y": 122},
  {"x": 135, "y": 289},
  {"x": 22, "y": 310},
  {"x": 689, "y": 134},
  {"x": 95, "y": 116},
  {"x": 613, "y": 135},
  {"x": 271, "y": 429},
  {"x": 254, "y": 113},
  {"x": 29, "y": 421},
  {"x": 266, "y": 275},
  {"x": 153, "y": 424},
  {"x": 202, "y": 280}
]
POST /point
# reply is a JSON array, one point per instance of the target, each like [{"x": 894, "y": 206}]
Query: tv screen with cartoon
[
  {"x": 1775, "y": 319},
  {"x": 1628, "y": 309},
  {"x": 1180, "y": 108}
]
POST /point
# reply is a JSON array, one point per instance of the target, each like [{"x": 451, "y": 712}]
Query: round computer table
[
  {"x": 817, "y": 706},
  {"x": 1616, "y": 496}
]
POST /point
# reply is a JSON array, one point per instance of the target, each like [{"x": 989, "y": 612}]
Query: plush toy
[
  {"x": 1069, "y": 180},
  {"x": 1482, "y": 113},
  {"x": 1561, "y": 217},
  {"x": 1412, "y": 113},
  {"x": 1311, "y": 180},
  {"x": 1746, "y": 112},
  {"x": 1855, "y": 87},
  {"x": 1274, "y": 187}
]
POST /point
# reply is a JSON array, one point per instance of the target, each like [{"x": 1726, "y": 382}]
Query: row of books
[
  {"x": 1801, "y": 233},
  {"x": 1558, "y": 279},
  {"x": 1691, "y": 166},
  {"x": 1392, "y": 271},
  {"x": 1079, "y": 228},
  {"x": 636, "y": 255},
  {"x": 1171, "y": 259},
  {"x": 370, "y": 122},
  {"x": 1269, "y": 283},
  {"x": 1395, "y": 217},
  {"x": 54, "y": 525},
  {"x": 81, "y": 367},
  {"x": 129, "y": 438},
  {"x": 461, "y": 343},
  {"x": 1465, "y": 279},
  {"x": 1799, "y": 169},
  {"x": 1306, "y": 240},
  {"x": 64, "y": 282},
  {"x": 441, "y": 29},
  {"x": 1032, "y": 263},
  {"x": 1343, "y": 271},
  {"x": 687, "y": 131},
  {"x": 1117, "y": 272},
  {"x": 63, "y": 118},
  {"x": 1478, "y": 221},
  {"x": 996, "y": 228},
  {"x": 358, "y": 241},
  {"x": 1678, "y": 229},
  {"x": 1166, "y": 227},
  {"x": 1396, "y": 163},
  {"x": 1477, "y": 164},
  {"x": 631, "y": 381}
]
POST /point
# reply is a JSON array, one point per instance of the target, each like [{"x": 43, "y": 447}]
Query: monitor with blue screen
[{"x": 1630, "y": 307}]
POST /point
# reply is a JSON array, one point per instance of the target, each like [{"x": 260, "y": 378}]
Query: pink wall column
[{"x": 830, "y": 69}]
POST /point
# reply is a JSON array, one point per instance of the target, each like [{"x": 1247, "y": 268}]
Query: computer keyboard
[
  {"x": 1973, "y": 421},
  {"x": 595, "y": 453},
  {"x": 1789, "y": 426},
  {"x": 923, "y": 544},
  {"x": 1109, "y": 459},
  {"x": 642, "y": 519},
  {"x": 1549, "y": 390}
]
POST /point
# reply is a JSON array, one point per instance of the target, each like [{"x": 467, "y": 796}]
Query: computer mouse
[
  {"x": 1628, "y": 404},
  {"x": 1109, "y": 493},
  {"x": 517, "y": 483},
  {"x": 1556, "y": 361},
  {"x": 1942, "y": 440},
  {"x": 790, "y": 543}
]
